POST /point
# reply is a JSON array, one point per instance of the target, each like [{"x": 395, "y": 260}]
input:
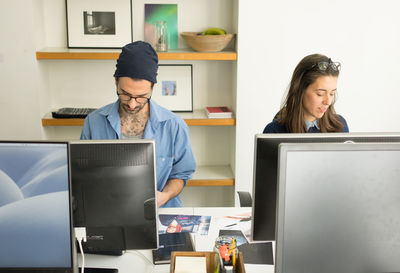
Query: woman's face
[{"x": 318, "y": 97}]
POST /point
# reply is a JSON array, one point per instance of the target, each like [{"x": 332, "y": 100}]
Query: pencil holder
[{"x": 227, "y": 256}]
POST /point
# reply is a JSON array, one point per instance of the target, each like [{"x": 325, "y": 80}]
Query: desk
[{"x": 141, "y": 261}]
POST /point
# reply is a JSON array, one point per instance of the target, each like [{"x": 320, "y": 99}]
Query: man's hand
[
  {"x": 162, "y": 198},
  {"x": 172, "y": 188}
]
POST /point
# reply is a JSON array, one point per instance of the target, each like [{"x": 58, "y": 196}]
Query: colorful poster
[
  {"x": 161, "y": 12},
  {"x": 170, "y": 223}
]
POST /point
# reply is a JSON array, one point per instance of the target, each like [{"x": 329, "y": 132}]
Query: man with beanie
[{"x": 134, "y": 116}]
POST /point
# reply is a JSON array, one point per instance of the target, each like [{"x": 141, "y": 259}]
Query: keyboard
[{"x": 72, "y": 112}]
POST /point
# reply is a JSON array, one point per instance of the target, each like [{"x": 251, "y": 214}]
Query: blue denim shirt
[{"x": 174, "y": 156}]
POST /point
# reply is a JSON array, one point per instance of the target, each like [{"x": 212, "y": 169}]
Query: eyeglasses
[
  {"x": 335, "y": 66},
  {"x": 127, "y": 98}
]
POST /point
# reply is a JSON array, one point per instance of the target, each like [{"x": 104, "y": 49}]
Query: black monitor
[
  {"x": 266, "y": 168},
  {"x": 114, "y": 194},
  {"x": 35, "y": 208},
  {"x": 338, "y": 208}
]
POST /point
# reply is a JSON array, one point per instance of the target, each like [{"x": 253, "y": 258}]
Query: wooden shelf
[
  {"x": 49, "y": 121},
  {"x": 212, "y": 176},
  {"x": 197, "y": 118},
  {"x": 112, "y": 54}
]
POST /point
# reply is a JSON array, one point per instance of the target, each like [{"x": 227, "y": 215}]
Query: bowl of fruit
[{"x": 211, "y": 40}]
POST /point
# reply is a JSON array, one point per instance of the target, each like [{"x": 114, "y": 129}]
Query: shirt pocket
[{"x": 164, "y": 168}]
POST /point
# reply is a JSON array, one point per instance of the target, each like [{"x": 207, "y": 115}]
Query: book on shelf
[{"x": 218, "y": 112}]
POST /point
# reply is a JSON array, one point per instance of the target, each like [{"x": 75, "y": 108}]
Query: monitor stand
[
  {"x": 99, "y": 270},
  {"x": 115, "y": 252}
]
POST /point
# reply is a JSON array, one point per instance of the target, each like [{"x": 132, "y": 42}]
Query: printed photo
[
  {"x": 168, "y": 88},
  {"x": 99, "y": 22},
  {"x": 171, "y": 77},
  {"x": 161, "y": 12},
  {"x": 171, "y": 223}
]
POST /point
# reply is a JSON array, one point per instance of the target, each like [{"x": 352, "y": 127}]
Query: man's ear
[{"x": 116, "y": 81}]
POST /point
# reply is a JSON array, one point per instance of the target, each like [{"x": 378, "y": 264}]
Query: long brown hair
[{"x": 292, "y": 113}]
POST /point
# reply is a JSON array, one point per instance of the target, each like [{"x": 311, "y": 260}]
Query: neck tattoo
[{"x": 134, "y": 124}]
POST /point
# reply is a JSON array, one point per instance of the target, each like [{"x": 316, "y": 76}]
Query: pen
[{"x": 232, "y": 248}]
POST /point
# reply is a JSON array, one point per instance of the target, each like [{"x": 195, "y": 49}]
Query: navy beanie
[{"x": 137, "y": 60}]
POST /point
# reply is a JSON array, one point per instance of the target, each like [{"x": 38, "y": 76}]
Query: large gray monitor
[
  {"x": 35, "y": 208},
  {"x": 338, "y": 208},
  {"x": 265, "y": 171}
]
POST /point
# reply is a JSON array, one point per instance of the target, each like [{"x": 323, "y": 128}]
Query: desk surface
[{"x": 141, "y": 261}]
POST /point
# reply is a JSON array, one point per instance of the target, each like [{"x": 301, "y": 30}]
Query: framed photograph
[
  {"x": 98, "y": 24},
  {"x": 154, "y": 13},
  {"x": 174, "y": 88}
]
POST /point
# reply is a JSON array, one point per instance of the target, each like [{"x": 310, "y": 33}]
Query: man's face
[{"x": 129, "y": 89}]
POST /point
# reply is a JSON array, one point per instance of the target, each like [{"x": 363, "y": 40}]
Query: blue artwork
[
  {"x": 34, "y": 206},
  {"x": 168, "y": 88}
]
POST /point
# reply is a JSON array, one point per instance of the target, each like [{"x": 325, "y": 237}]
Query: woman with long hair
[{"x": 309, "y": 105}]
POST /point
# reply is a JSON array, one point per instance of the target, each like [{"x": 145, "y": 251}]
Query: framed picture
[
  {"x": 98, "y": 24},
  {"x": 174, "y": 88},
  {"x": 154, "y": 13}
]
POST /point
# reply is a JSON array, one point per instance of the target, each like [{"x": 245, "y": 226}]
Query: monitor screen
[
  {"x": 114, "y": 194},
  {"x": 265, "y": 171},
  {"x": 35, "y": 215},
  {"x": 338, "y": 208}
]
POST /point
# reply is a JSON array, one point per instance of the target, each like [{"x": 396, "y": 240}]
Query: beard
[{"x": 131, "y": 111}]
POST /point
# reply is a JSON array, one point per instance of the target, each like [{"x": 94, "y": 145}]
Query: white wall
[
  {"x": 20, "y": 78},
  {"x": 275, "y": 35}
]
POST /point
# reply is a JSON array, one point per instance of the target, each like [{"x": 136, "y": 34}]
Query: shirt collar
[
  {"x": 310, "y": 124},
  {"x": 112, "y": 115},
  {"x": 156, "y": 117}
]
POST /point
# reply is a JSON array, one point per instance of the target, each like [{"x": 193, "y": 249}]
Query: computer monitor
[
  {"x": 265, "y": 171},
  {"x": 114, "y": 194},
  {"x": 35, "y": 208},
  {"x": 338, "y": 208}
]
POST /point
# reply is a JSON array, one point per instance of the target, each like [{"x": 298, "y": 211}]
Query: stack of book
[{"x": 218, "y": 112}]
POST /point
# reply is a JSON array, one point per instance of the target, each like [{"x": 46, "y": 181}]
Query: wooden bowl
[{"x": 207, "y": 43}]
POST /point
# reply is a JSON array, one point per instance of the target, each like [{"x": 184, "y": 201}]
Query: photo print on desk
[
  {"x": 172, "y": 223},
  {"x": 161, "y": 12},
  {"x": 174, "y": 88},
  {"x": 98, "y": 24}
]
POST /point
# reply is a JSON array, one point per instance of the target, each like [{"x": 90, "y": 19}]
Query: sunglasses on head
[{"x": 335, "y": 66}]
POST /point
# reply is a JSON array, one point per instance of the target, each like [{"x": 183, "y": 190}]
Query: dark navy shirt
[{"x": 275, "y": 127}]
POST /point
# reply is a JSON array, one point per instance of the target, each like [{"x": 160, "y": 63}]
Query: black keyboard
[{"x": 72, "y": 112}]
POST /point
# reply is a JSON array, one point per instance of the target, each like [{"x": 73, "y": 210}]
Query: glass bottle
[{"x": 161, "y": 36}]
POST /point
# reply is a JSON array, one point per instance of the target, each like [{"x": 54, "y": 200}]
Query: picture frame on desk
[
  {"x": 98, "y": 24},
  {"x": 174, "y": 87}
]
